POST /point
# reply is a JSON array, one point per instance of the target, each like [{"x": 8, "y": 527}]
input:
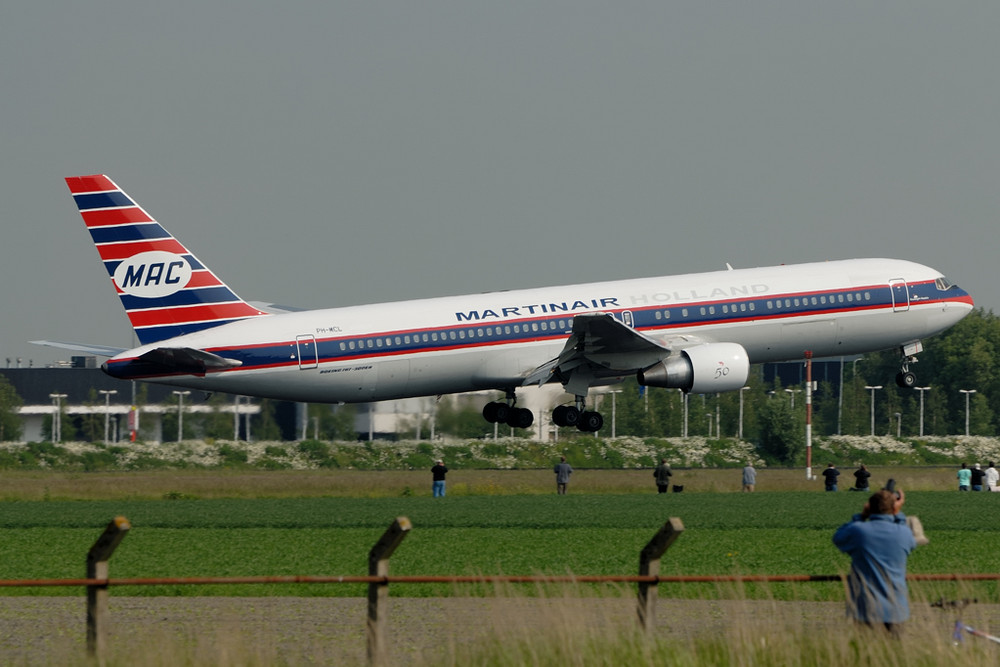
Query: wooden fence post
[
  {"x": 649, "y": 564},
  {"x": 378, "y": 593},
  {"x": 97, "y": 595}
]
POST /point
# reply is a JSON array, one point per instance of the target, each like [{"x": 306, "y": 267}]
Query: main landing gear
[
  {"x": 505, "y": 412},
  {"x": 587, "y": 421},
  {"x": 499, "y": 412}
]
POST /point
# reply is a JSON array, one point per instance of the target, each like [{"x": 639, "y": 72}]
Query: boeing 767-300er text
[{"x": 695, "y": 332}]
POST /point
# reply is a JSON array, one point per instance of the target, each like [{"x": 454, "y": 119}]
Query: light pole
[
  {"x": 922, "y": 390},
  {"x": 899, "y": 425},
  {"x": 742, "y": 389},
  {"x": 57, "y": 418},
  {"x": 236, "y": 418},
  {"x": 107, "y": 409},
  {"x": 873, "y": 389},
  {"x": 684, "y": 401},
  {"x": 614, "y": 411},
  {"x": 967, "y": 392},
  {"x": 792, "y": 392},
  {"x": 180, "y": 413}
]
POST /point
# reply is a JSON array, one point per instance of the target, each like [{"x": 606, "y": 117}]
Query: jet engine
[{"x": 701, "y": 369}]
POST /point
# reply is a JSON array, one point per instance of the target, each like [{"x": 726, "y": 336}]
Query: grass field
[
  {"x": 510, "y": 527},
  {"x": 201, "y": 523}
]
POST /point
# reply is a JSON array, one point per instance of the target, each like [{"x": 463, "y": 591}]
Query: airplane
[{"x": 695, "y": 332}]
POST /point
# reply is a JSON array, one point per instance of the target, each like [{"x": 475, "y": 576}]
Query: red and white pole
[{"x": 809, "y": 414}]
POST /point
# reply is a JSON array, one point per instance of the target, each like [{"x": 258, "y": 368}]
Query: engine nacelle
[{"x": 701, "y": 369}]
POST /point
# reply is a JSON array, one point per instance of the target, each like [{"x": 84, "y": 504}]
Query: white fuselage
[{"x": 494, "y": 340}]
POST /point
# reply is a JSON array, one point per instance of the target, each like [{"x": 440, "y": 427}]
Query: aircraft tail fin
[{"x": 165, "y": 290}]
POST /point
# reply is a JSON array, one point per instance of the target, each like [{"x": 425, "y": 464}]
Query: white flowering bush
[{"x": 504, "y": 454}]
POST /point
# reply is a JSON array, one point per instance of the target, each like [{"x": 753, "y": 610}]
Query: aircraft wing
[
  {"x": 99, "y": 350},
  {"x": 600, "y": 346}
]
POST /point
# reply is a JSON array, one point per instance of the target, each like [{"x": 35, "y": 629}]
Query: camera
[{"x": 890, "y": 486}]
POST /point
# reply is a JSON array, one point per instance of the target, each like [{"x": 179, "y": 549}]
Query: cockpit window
[{"x": 944, "y": 284}]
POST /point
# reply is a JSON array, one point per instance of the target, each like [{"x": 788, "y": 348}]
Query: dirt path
[{"x": 326, "y": 631}]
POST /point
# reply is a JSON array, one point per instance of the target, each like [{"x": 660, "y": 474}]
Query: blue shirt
[
  {"x": 878, "y": 549},
  {"x": 563, "y": 471}
]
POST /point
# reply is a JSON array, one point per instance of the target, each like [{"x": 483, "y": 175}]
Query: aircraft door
[
  {"x": 305, "y": 347},
  {"x": 900, "y": 295}
]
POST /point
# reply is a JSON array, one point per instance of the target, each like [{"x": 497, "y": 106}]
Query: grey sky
[{"x": 328, "y": 153}]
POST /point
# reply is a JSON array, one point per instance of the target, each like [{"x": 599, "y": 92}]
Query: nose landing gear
[{"x": 905, "y": 378}]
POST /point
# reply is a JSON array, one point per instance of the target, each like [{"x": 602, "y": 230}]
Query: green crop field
[{"x": 725, "y": 533}]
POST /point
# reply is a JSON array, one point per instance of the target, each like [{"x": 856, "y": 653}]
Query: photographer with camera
[{"x": 878, "y": 540}]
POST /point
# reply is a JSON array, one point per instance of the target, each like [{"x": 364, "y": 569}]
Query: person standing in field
[
  {"x": 437, "y": 474},
  {"x": 830, "y": 476},
  {"x": 964, "y": 478},
  {"x": 662, "y": 475},
  {"x": 749, "y": 478},
  {"x": 879, "y": 541},
  {"x": 992, "y": 478},
  {"x": 977, "y": 475},
  {"x": 861, "y": 476},
  {"x": 562, "y": 471}
]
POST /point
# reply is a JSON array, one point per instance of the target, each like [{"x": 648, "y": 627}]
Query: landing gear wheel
[
  {"x": 520, "y": 418},
  {"x": 496, "y": 412},
  {"x": 906, "y": 380},
  {"x": 565, "y": 415},
  {"x": 590, "y": 422}
]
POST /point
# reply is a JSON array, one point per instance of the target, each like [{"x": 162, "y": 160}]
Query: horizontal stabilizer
[
  {"x": 187, "y": 360},
  {"x": 275, "y": 308},
  {"x": 99, "y": 350}
]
